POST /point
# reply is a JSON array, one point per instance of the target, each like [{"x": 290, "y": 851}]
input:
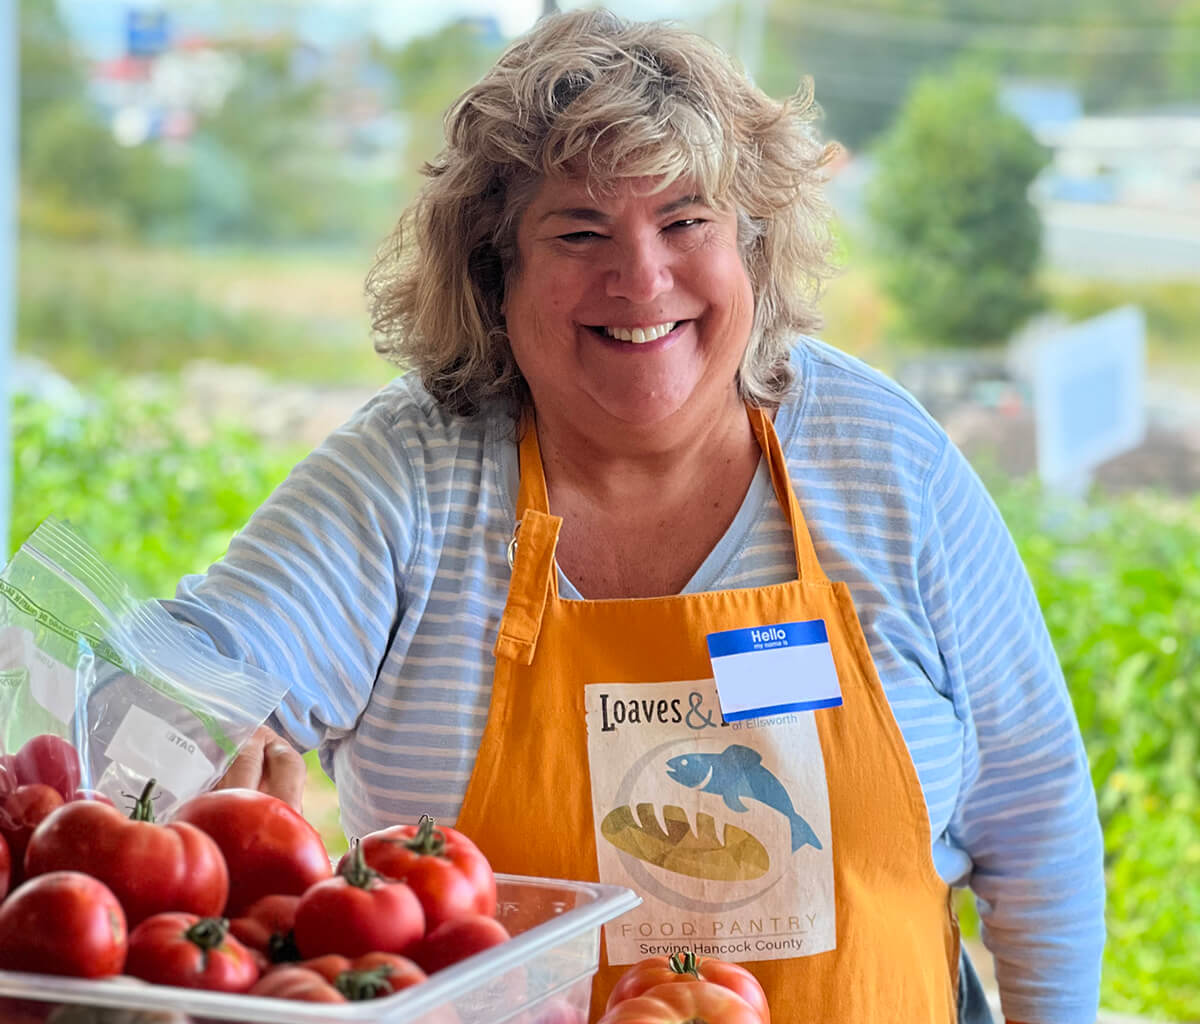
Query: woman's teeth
[{"x": 640, "y": 335}]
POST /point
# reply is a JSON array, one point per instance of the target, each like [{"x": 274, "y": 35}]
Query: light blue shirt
[{"x": 375, "y": 576}]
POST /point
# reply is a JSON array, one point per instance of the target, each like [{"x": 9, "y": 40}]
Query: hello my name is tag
[{"x": 773, "y": 669}]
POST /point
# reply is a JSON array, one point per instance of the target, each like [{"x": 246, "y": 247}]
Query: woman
[{"x": 619, "y": 470}]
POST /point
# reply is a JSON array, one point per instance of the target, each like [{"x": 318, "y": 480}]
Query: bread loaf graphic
[{"x": 735, "y": 857}]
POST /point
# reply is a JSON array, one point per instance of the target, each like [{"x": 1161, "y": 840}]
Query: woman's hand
[{"x": 267, "y": 762}]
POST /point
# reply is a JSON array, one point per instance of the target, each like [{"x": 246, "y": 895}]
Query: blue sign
[{"x": 146, "y": 32}]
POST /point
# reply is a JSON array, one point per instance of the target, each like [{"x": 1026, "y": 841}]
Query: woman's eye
[
  {"x": 687, "y": 222},
  {"x": 579, "y": 236}
]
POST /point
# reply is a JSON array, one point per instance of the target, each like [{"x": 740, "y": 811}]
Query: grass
[{"x": 87, "y": 309}]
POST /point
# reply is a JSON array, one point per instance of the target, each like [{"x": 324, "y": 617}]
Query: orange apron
[{"x": 798, "y": 845}]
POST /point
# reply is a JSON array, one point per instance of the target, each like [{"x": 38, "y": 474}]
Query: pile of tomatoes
[{"x": 235, "y": 894}]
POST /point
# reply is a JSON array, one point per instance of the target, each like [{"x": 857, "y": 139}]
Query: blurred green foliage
[
  {"x": 155, "y": 502},
  {"x": 958, "y": 238},
  {"x": 1118, "y": 579}
]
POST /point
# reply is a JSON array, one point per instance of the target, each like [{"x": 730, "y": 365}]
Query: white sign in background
[{"x": 1089, "y": 396}]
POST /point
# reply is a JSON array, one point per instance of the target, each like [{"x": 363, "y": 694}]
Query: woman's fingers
[{"x": 269, "y": 763}]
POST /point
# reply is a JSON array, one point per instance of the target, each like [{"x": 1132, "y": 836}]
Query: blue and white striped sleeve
[
  {"x": 1026, "y": 814},
  {"x": 312, "y": 587}
]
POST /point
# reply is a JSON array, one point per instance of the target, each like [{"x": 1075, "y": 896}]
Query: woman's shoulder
[
  {"x": 403, "y": 416},
  {"x": 841, "y": 397}
]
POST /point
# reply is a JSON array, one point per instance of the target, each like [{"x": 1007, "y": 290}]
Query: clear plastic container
[{"x": 542, "y": 976}]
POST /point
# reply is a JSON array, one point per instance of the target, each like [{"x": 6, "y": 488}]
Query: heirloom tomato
[
  {"x": 151, "y": 868},
  {"x": 190, "y": 952},
  {"x": 367, "y": 976},
  {"x": 65, "y": 922},
  {"x": 267, "y": 925},
  {"x": 693, "y": 1002},
  {"x": 268, "y": 846},
  {"x": 51, "y": 760},
  {"x": 443, "y": 867},
  {"x": 456, "y": 940},
  {"x": 685, "y": 967},
  {"x": 358, "y": 911},
  {"x": 21, "y": 811},
  {"x": 291, "y": 981}
]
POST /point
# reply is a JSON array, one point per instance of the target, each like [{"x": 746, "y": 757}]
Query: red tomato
[
  {"x": 50, "y": 760},
  {"x": 449, "y": 874},
  {"x": 190, "y": 952},
  {"x": 152, "y": 868},
  {"x": 358, "y": 911},
  {"x": 8, "y": 774},
  {"x": 268, "y": 846},
  {"x": 21, "y": 811},
  {"x": 692, "y": 1002},
  {"x": 65, "y": 922},
  {"x": 293, "y": 982},
  {"x": 368, "y": 976},
  {"x": 684, "y": 966},
  {"x": 267, "y": 927},
  {"x": 458, "y": 939}
]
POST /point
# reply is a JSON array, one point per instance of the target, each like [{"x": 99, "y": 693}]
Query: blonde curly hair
[{"x": 588, "y": 94}]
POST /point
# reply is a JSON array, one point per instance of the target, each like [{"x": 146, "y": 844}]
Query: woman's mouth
[{"x": 638, "y": 335}]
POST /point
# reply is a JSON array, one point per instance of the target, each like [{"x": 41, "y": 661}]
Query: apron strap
[
  {"x": 533, "y": 576},
  {"x": 808, "y": 568}
]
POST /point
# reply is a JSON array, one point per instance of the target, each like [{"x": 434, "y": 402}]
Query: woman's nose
[{"x": 642, "y": 271}]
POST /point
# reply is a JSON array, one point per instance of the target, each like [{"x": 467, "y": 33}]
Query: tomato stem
[
  {"x": 685, "y": 962},
  {"x": 359, "y": 985},
  {"x": 143, "y": 808},
  {"x": 208, "y": 933},
  {"x": 356, "y": 871},
  {"x": 282, "y": 949},
  {"x": 429, "y": 841}
]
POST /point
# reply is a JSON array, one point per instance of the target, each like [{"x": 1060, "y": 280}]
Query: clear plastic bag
[{"x": 138, "y": 694}]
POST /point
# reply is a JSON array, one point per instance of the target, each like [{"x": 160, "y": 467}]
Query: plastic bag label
[
  {"x": 148, "y": 745},
  {"x": 50, "y": 682}
]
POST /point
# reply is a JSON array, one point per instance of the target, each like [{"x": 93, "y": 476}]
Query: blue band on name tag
[
  {"x": 781, "y": 709},
  {"x": 766, "y": 638}
]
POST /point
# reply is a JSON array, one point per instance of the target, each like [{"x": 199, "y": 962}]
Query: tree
[{"x": 959, "y": 239}]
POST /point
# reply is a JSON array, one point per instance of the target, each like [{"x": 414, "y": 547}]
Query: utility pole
[{"x": 8, "y": 250}]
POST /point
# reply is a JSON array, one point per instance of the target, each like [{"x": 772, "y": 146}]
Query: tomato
[
  {"x": 447, "y": 871},
  {"x": 190, "y": 952},
  {"x": 358, "y": 911},
  {"x": 51, "y": 760},
  {"x": 21, "y": 811},
  {"x": 367, "y": 976},
  {"x": 8, "y": 774},
  {"x": 692, "y": 1002},
  {"x": 152, "y": 868},
  {"x": 456, "y": 940},
  {"x": 267, "y": 927},
  {"x": 268, "y": 846},
  {"x": 65, "y": 922},
  {"x": 684, "y": 966},
  {"x": 5, "y": 867},
  {"x": 295, "y": 982}
]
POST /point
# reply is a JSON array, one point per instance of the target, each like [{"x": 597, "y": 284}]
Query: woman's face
[{"x": 628, "y": 309}]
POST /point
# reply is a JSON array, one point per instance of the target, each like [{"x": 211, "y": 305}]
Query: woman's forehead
[{"x": 588, "y": 192}]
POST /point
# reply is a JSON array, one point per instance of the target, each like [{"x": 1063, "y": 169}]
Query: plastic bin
[{"x": 546, "y": 968}]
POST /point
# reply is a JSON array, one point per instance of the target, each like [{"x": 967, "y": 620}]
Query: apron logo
[
  {"x": 738, "y": 772},
  {"x": 735, "y": 774}
]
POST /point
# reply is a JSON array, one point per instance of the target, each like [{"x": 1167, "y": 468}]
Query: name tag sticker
[{"x": 773, "y": 670}]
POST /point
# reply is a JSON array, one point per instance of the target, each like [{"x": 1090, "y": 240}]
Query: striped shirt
[{"x": 375, "y": 576}]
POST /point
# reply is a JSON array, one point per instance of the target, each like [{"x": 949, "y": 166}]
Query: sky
[{"x": 99, "y": 24}]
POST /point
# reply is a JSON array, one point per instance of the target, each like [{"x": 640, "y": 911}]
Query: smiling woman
[{"x": 838, "y": 699}]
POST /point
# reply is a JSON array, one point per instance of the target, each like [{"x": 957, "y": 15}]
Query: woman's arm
[{"x": 1026, "y": 811}]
